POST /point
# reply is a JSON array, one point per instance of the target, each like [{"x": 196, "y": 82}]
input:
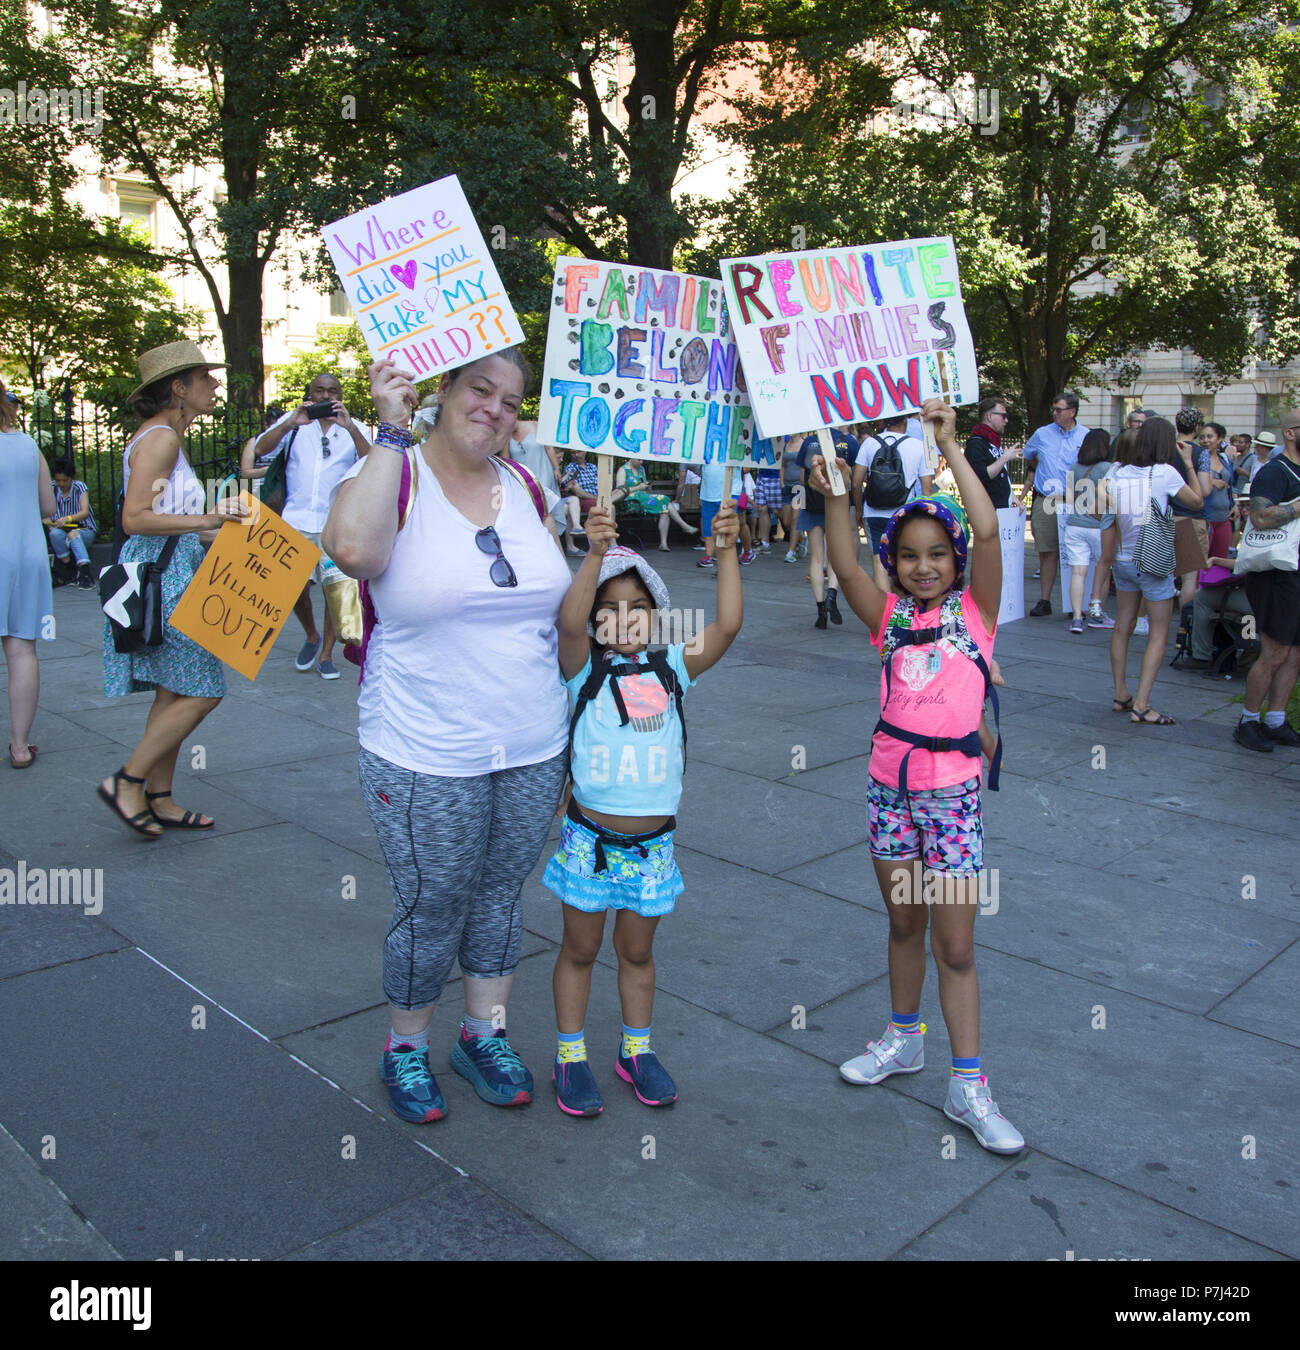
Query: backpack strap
[
  {"x": 601, "y": 670},
  {"x": 658, "y": 662},
  {"x": 407, "y": 488},
  {"x": 522, "y": 476},
  {"x": 952, "y": 626}
]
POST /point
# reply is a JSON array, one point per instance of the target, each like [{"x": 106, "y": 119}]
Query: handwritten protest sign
[
  {"x": 421, "y": 281},
  {"x": 239, "y": 599},
  {"x": 642, "y": 362},
  {"x": 835, "y": 336},
  {"x": 1011, "y": 530}
]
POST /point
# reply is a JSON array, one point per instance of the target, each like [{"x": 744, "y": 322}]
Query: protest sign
[
  {"x": 835, "y": 336},
  {"x": 1011, "y": 530},
  {"x": 641, "y": 362},
  {"x": 241, "y": 595},
  {"x": 421, "y": 281}
]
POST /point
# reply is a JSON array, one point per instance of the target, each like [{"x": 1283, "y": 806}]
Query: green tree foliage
[
  {"x": 78, "y": 304},
  {"x": 1098, "y": 162},
  {"x": 577, "y": 117},
  {"x": 266, "y": 93}
]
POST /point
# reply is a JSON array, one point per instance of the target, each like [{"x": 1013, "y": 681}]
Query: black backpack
[
  {"x": 601, "y": 670},
  {"x": 886, "y": 484}
]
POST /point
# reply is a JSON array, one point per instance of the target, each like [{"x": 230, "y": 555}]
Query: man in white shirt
[
  {"x": 912, "y": 480},
  {"x": 320, "y": 452}
]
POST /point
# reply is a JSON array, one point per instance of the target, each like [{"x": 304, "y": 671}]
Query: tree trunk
[
  {"x": 241, "y": 333},
  {"x": 653, "y": 227}
]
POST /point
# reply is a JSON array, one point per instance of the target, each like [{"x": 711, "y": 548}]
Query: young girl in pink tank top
[{"x": 923, "y": 795}]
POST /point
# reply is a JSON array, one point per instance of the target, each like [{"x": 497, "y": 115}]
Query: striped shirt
[{"x": 70, "y": 504}]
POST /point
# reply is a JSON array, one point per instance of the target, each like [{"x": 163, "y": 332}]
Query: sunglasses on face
[{"x": 501, "y": 573}]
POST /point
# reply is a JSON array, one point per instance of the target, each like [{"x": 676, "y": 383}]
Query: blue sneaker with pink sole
[
  {"x": 490, "y": 1064},
  {"x": 649, "y": 1078},
  {"x": 576, "y": 1093},
  {"x": 412, "y": 1089}
]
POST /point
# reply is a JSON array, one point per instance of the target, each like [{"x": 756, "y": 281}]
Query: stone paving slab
[
  {"x": 713, "y": 954},
  {"x": 1040, "y": 1201},
  {"x": 59, "y": 820},
  {"x": 291, "y": 951},
  {"x": 458, "y": 1221},
  {"x": 40, "y": 1225},
  {"x": 781, "y": 830},
  {"x": 1266, "y": 1004},
  {"x": 211, "y": 1142},
  {"x": 321, "y": 796},
  {"x": 1158, "y": 1101}
]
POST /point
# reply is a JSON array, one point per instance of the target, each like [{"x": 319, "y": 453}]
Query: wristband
[{"x": 395, "y": 437}]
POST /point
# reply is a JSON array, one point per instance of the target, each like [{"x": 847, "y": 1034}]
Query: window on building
[
  {"x": 339, "y": 307},
  {"x": 1269, "y": 413},
  {"x": 1203, "y": 403},
  {"x": 136, "y": 208}
]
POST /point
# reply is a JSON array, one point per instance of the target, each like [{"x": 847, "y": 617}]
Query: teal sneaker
[
  {"x": 412, "y": 1089},
  {"x": 498, "y": 1074}
]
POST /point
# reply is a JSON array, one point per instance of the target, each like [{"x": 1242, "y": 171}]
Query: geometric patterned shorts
[{"x": 943, "y": 826}]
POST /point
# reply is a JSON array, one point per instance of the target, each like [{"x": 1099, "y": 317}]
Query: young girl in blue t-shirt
[{"x": 627, "y": 746}]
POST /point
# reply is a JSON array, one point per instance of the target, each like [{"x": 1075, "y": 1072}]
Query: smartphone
[{"x": 318, "y": 410}]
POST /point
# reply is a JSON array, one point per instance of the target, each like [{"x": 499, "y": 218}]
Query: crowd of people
[{"x": 500, "y": 687}]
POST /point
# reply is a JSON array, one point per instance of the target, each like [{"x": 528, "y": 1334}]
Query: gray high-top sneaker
[
  {"x": 894, "y": 1052},
  {"x": 971, "y": 1104}
]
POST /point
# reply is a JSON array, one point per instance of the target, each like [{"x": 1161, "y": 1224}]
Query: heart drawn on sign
[
  {"x": 405, "y": 273},
  {"x": 914, "y": 668}
]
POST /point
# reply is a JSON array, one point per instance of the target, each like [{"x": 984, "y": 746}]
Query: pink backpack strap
[
  {"x": 356, "y": 653},
  {"x": 534, "y": 488}
]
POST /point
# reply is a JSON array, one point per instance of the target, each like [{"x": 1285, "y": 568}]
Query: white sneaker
[
  {"x": 894, "y": 1052},
  {"x": 789, "y": 555},
  {"x": 971, "y": 1104},
  {"x": 1143, "y": 625}
]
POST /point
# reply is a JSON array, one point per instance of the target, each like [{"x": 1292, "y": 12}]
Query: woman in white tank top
[
  {"x": 163, "y": 498},
  {"x": 463, "y": 718}
]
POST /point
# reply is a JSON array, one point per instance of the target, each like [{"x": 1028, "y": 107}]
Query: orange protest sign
[{"x": 243, "y": 593}]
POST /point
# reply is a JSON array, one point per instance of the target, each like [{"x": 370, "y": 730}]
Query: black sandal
[
  {"x": 189, "y": 821},
  {"x": 139, "y": 822}
]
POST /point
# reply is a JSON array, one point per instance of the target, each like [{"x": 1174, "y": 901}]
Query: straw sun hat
[{"x": 175, "y": 357}]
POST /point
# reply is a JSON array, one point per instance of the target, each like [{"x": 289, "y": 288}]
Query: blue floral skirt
[
  {"x": 179, "y": 664},
  {"x": 595, "y": 870}
]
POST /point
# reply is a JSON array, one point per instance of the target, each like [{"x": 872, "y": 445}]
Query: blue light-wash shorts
[{"x": 1128, "y": 578}]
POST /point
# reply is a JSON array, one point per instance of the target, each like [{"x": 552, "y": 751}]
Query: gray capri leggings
[{"x": 457, "y": 852}]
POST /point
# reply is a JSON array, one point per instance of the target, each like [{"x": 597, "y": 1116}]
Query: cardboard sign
[
  {"x": 421, "y": 281},
  {"x": 836, "y": 336},
  {"x": 239, "y": 599},
  {"x": 1011, "y": 530},
  {"x": 642, "y": 362}
]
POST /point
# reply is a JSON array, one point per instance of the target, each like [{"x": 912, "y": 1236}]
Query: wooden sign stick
[
  {"x": 931, "y": 445},
  {"x": 605, "y": 482},
  {"x": 833, "y": 475},
  {"x": 726, "y": 483}
]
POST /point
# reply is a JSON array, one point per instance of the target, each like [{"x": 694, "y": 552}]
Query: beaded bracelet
[{"x": 395, "y": 437}]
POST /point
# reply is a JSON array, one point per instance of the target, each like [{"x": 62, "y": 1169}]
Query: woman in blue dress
[
  {"x": 25, "y": 590},
  {"x": 162, "y": 498}
]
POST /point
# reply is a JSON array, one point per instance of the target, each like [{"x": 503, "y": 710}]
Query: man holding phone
[{"x": 321, "y": 443}]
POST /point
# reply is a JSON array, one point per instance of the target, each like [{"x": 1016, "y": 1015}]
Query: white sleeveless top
[
  {"x": 463, "y": 677},
  {"x": 181, "y": 494}
]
